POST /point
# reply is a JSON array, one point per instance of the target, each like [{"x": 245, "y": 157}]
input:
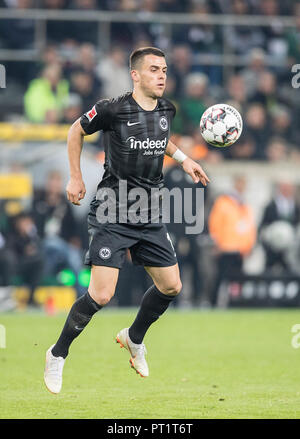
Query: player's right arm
[
  {"x": 75, "y": 188},
  {"x": 100, "y": 117}
]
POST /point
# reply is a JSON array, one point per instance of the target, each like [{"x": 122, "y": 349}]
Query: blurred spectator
[
  {"x": 239, "y": 7},
  {"x": 57, "y": 226},
  {"x": 46, "y": 94},
  {"x": 18, "y": 33},
  {"x": 83, "y": 84},
  {"x": 51, "y": 56},
  {"x": 148, "y": 5},
  {"x": 293, "y": 37},
  {"x": 54, "y": 4},
  {"x": 26, "y": 246},
  {"x": 195, "y": 101},
  {"x": 51, "y": 209},
  {"x": 172, "y": 6},
  {"x": 257, "y": 128},
  {"x": 283, "y": 205},
  {"x": 278, "y": 224},
  {"x": 57, "y": 31},
  {"x": 201, "y": 39},
  {"x": 242, "y": 38},
  {"x": 170, "y": 93},
  {"x": 170, "y": 90},
  {"x": 73, "y": 109},
  {"x": 181, "y": 66},
  {"x": 87, "y": 58},
  {"x": 276, "y": 150},
  {"x": 68, "y": 50},
  {"x": 256, "y": 66},
  {"x": 6, "y": 263},
  {"x": 113, "y": 70},
  {"x": 233, "y": 229},
  {"x": 244, "y": 149},
  {"x": 267, "y": 93},
  {"x": 83, "y": 31},
  {"x": 274, "y": 34},
  {"x": 127, "y": 34},
  {"x": 124, "y": 5},
  {"x": 281, "y": 124},
  {"x": 85, "y": 62},
  {"x": 236, "y": 91}
]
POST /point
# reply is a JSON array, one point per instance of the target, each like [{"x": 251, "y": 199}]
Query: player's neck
[{"x": 146, "y": 102}]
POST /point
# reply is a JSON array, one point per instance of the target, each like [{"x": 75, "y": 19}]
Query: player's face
[{"x": 151, "y": 75}]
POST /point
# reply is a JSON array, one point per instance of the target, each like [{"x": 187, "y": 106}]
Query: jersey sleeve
[{"x": 100, "y": 117}]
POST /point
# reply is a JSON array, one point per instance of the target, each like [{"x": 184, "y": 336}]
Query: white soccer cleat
[
  {"x": 53, "y": 372},
  {"x": 137, "y": 352}
]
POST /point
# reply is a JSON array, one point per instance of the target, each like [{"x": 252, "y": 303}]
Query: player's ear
[{"x": 135, "y": 75}]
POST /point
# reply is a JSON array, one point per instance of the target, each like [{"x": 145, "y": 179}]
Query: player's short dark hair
[{"x": 138, "y": 54}]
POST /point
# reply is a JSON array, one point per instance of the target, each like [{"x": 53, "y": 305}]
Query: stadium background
[{"x": 61, "y": 56}]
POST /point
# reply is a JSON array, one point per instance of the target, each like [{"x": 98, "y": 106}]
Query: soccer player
[{"x": 136, "y": 130}]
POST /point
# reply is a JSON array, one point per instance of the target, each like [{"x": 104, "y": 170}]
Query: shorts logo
[
  {"x": 163, "y": 123},
  {"x": 105, "y": 252}
]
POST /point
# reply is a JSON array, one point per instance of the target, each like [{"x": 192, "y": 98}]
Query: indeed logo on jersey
[{"x": 150, "y": 147}]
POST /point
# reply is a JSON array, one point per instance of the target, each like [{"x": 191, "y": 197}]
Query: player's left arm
[{"x": 189, "y": 166}]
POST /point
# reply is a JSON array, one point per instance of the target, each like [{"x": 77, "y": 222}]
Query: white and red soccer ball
[{"x": 221, "y": 125}]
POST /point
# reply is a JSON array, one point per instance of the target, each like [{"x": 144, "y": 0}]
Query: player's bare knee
[
  {"x": 103, "y": 300},
  {"x": 102, "y": 297},
  {"x": 172, "y": 289},
  {"x": 177, "y": 288}
]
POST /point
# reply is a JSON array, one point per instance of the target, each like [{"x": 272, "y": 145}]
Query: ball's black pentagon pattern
[{"x": 221, "y": 125}]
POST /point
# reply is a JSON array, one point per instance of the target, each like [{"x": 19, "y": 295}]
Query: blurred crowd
[
  {"x": 267, "y": 7},
  {"x": 74, "y": 71},
  {"x": 40, "y": 241}
]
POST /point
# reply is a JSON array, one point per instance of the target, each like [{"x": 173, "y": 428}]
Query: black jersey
[{"x": 135, "y": 141}]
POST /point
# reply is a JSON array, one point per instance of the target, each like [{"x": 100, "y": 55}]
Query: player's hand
[
  {"x": 195, "y": 171},
  {"x": 75, "y": 190}
]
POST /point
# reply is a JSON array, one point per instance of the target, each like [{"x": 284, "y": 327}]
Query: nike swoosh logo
[
  {"x": 133, "y": 123},
  {"x": 77, "y": 327}
]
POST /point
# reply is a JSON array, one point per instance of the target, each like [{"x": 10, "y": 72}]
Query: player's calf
[
  {"x": 154, "y": 304},
  {"x": 79, "y": 316}
]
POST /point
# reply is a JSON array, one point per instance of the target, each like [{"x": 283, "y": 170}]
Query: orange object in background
[
  {"x": 100, "y": 157},
  {"x": 199, "y": 152},
  {"x": 50, "y": 306},
  {"x": 232, "y": 226},
  {"x": 196, "y": 152}
]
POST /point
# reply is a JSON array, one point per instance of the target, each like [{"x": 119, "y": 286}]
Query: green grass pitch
[{"x": 203, "y": 364}]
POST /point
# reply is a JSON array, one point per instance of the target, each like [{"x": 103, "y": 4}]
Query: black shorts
[{"x": 149, "y": 244}]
